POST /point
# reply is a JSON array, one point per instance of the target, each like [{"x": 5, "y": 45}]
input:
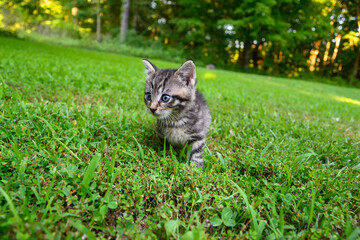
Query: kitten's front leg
[
  {"x": 197, "y": 148},
  {"x": 160, "y": 137},
  {"x": 161, "y": 140}
]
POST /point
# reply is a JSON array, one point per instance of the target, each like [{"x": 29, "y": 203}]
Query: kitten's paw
[
  {"x": 198, "y": 163},
  {"x": 197, "y": 148}
]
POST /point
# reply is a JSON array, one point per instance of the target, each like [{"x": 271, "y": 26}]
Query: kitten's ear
[
  {"x": 149, "y": 67},
  {"x": 187, "y": 73}
]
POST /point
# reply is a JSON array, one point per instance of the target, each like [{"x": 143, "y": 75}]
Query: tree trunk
[
  {"x": 324, "y": 62},
  {"x": 241, "y": 58},
  {"x": 357, "y": 58},
  {"x": 314, "y": 55},
  {"x": 125, "y": 20},
  {"x": 98, "y": 21},
  {"x": 136, "y": 15},
  {"x": 247, "y": 48},
  {"x": 336, "y": 49},
  {"x": 74, "y": 11},
  {"x": 255, "y": 54},
  {"x": 356, "y": 65}
]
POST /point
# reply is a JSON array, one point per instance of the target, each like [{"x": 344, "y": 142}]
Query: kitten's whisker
[
  {"x": 172, "y": 119},
  {"x": 171, "y": 116}
]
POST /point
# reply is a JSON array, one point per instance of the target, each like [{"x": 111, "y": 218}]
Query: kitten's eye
[
  {"x": 165, "y": 98},
  {"x": 148, "y": 96}
]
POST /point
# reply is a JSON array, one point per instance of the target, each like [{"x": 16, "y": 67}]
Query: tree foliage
[{"x": 289, "y": 37}]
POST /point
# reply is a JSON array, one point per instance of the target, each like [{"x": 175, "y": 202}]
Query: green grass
[
  {"x": 135, "y": 46},
  {"x": 79, "y": 156}
]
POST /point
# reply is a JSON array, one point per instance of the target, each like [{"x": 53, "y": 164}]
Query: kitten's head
[{"x": 168, "y": 91}]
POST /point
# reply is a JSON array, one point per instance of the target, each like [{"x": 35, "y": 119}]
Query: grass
[
  {"x": 79, "y": 155},
  {"x": 135, "y": 46}
]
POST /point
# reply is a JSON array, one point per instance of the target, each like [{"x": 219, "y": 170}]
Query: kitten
[{"x": 181, "y": 111}]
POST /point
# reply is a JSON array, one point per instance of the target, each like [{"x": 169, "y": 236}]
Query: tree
[
  {"x": 98, "y": 21},
  {"x": 125, "y": 20},
  {"x": 278, "y": 36},
  {"x": 350, "y": 13}
]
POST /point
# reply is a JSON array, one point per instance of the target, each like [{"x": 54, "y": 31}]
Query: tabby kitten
[{"x": 181, "y": 111}]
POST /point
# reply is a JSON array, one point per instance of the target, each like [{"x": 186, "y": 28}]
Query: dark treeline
[{"x": 291, "y": 37}]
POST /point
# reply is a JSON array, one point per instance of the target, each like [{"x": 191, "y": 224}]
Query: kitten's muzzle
[{"x": 152, "y": 110}]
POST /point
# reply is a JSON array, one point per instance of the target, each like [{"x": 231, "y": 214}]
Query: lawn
[{"x": 79, "y": 155}]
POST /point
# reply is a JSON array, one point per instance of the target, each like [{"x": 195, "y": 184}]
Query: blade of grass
[
  {"x": 269, "y": 145},
  {"x": 48, "y": 125},
  {"x": 281, "y": 221},
  {"x": 89, "y": 173},
  {"x": 140, "y": 149},
  {"x": 83, "y": 229},
  {"x": 313, "y": 197},
  {"x": 251, "y": 209},
  {"x": 12, "y": 207},
  {"x": 68, "y": 149},
  {"x": 112, "y": 165},
  {"x": 22, "y": 167}
]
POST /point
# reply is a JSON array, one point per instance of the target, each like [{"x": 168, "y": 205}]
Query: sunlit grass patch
[{"x": 346, "y": 100}]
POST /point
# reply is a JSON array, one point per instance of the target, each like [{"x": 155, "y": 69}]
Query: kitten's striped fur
[{"x": 185, "y": 116}]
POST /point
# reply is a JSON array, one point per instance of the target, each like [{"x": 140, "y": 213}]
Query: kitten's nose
[{"x": 152, "y": 110}]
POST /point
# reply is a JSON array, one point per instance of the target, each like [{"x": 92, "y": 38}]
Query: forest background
[{"x": 310, "y": 39}]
